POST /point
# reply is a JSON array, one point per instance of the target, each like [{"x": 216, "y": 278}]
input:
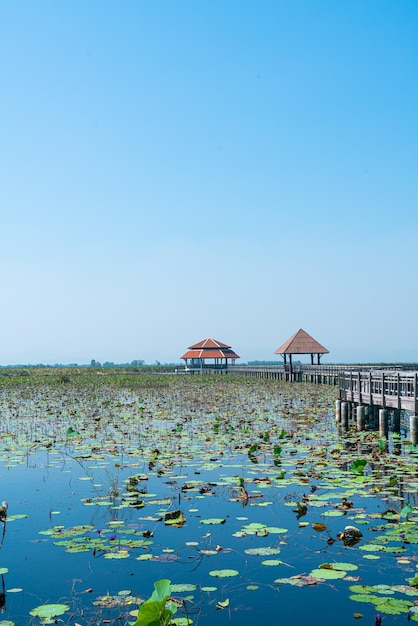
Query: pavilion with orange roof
[
  {"x": 301, "y": 343},
  {"x": 216, "y": 352}
]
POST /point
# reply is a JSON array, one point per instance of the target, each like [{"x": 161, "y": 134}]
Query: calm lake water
[{"x": 255, "y": 468}]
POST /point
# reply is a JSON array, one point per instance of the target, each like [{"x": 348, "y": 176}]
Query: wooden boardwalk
[
  {"x": 380, "y": 388},
  {"x": 373, "y": 386},
  {"x": 322, "y": 374}
]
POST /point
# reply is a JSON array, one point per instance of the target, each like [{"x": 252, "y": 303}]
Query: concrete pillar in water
[
  {"x": 338, "y": 411},
  {"x": 344, "y": 415},
  {"x": 413, "y": 427},
  {"x": 361, "y": 417},
  {"x": 383, "y": 422}
]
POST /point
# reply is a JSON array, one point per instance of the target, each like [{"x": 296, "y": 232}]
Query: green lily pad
[
  {"x": 181, "y": 588},
  {"x": 262, "y": 551},
  {"x": 48, "y": 611},
  {"x": 333, "y": 513},
  {"x": 175, "y": 518},
  {"x": 346, "y": 567},
  {"x": 223, "y": 573},
  {"x": 120, "y": 554},
  {"x": 327, "y": 574},
  {"x": 393, "y": 606}
]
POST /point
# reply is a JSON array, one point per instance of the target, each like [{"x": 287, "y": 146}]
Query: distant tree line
[
  {"x": 135, "y": 363},
  {"x": 270, "y": 363},
  {"x": 93, "y": 363}
]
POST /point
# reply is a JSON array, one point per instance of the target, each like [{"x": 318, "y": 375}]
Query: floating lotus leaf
[
  {"x": 223, "y": 573},
  {"x": 333, "y": 513},
  {"x": 175, "y": 518},
  {"x": 255, "y": 528},
  {"x": 393, "y": 606},
  {"x": 371, "y": 547},
  {"x": 180, "y": 588},
  {"x": 13, "y": 518},
  {"x": 275, "y": 530},
  {"x": 73, "y": 531},
  {"x": 120, "y": 554},
  {"x": 346, "y": 567},
  {"x": 213, "y": 520},
  {"x": 48, "y": 611},
  {"x": 144, "y": 557},
  {"x": 359, "y": 589},
  {"x": 222, "y": 604},
  {"x": 109, "y": 602},
  {"x": 262, "y": 551},
  {"x": 328, "y": 574},
  {"x": 382, "y": 589}
]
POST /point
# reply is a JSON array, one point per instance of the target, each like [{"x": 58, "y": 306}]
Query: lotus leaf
[{"x": 224, "y": 573}]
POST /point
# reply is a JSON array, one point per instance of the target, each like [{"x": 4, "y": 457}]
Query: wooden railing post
[
  {"x": 399, "y": 391},
  {"x": 383, "y": 390},
  {"x": 416, "y": 394}
]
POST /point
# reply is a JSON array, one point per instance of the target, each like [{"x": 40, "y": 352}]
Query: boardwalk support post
[
  {"x": 361, "y": 417},
  {"x": 413, "y": 427},
  {"x": 338, "y": 411},
  {"x": 344, "y": 414},
  {"x": 383, "y": 422}
]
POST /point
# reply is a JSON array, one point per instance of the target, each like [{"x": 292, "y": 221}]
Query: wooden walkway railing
[
  {"x": 381, "y": 388},
  {"x": 324, "y": 374},
  {"x": 393, "y": 388}
]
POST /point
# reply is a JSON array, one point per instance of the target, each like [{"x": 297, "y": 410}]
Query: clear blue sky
[{"x": 173, "y": 170}]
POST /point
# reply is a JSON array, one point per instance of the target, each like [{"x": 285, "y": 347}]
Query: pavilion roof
[
  {"x": 210, "y": 354},
  {"x": 210, "y": 349},
  {"x": 301, "y": 343},
  {"x": 208, "y": 343}
]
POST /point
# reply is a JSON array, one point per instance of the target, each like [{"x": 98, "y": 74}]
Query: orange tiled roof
[
  {"x": 208, "y": 343},
  {"x": 210, "y": 349},
  {"x": 210, "y": 354}
]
